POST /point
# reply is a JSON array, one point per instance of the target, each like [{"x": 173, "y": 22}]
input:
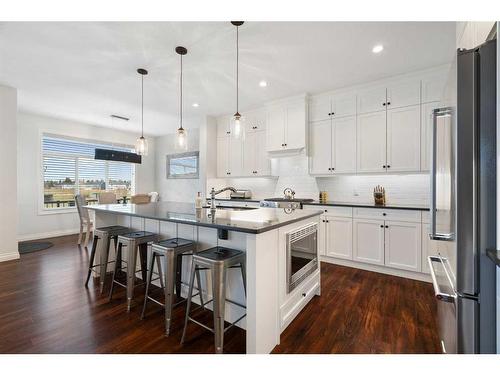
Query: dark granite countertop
[
  {"x": 253, "y": 221},
  {"x": 368, "y": 205},
  {"x": 494, "y": 255}
]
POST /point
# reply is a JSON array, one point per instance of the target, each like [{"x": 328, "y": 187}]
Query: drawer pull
[{"x": 303, "y": 294}]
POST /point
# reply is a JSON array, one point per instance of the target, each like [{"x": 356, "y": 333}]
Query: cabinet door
[
  {"x": 295, "y": 129},
  {"x": 426, "y": 135},
  {"x": 223, "y": 126},
  {"x": 344, "y": 105},
  {"x": 321, "y": 147},
  {"x": 250, "y": 121},
  {"x": 403, "y": 245},
  {"x": 276, "y": 128},
  {"x": 250, "y": 154},
  {"x": 338, "y": 237},
  {"x": 372, "y": 100},
  {"x": 403, "y": 139},
  {"x": 371, "y": 142},
  {"x": 368, "y": 241},
  {"x": 403, "y": 94},
  {"x": 433, "y": 87},
  {"x": 262, "y": 161},
  {"x": 319, "y": 109},
  {"x": 235, "y": 157},
  {"x": 222, "y": 156},
  {"x": 260, "y": 120},
  {"x": 344, "y": 145}
]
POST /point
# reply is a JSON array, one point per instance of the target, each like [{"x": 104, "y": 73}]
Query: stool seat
[
  {"x": 173, "y": 243},
  {"x": 139, "y": 234},
  {"x": 219, "y": 254},
  {"x": 113, "y": 230}
]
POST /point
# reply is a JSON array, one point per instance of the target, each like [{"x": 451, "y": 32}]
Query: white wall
[
  {"x": 293, "y": 172},
  {"x": 32, "y": 224},
  {"x": 8, "y": 174},
  {"x": 178, "y": 190}
]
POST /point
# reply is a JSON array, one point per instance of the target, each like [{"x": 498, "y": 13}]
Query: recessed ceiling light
[
  {"x": 263, "y": 84},
  {"x": 196, "y": 105},
  {"x": 378, "y": 48}
]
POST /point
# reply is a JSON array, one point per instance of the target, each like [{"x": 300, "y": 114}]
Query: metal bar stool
[
  {"x": 217, "y": 260},
  {"x": 172, "y": 252},
  {"x": 102, "y": 238},
  {"x": 135, "y": 242}
]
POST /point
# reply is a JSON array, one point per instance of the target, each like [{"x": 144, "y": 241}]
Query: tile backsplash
[{"x": 293, "y": 172}]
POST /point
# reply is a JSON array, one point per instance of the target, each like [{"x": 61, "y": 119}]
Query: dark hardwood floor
[{"x": 44, "y": 308}]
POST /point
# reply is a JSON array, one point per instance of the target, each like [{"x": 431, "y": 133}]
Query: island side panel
[{"x": 263, "y": 327}]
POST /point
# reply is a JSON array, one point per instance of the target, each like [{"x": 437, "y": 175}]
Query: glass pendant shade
[
  {"x": 238, "y": 126},
  {"x": 141, "y": 146},
  {"x": 181, "y": 143}
]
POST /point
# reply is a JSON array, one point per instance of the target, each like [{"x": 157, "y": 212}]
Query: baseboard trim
[
  {"x": 43, "y": 235},
  {"x": 9, "y": 256},
  {"x": 380, "y": 269}
]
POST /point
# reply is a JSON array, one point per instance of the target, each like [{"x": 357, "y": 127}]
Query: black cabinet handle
[
  {"x": 326, "y": 210},
  {"x": 333, "y": 169},
  {"x": 381, "y": 226},
  {"x": 388, "y": 166},
  {"x": 329, "y": 114},
  {"x": 383, "y": 166},
  {"x": 333, "y": 113},
  {"x": 387, "y": 226},
  {"x": 388, "y": 103},
  {"x": 384, "y": 214},
  {"x": 323, "y": 221},
  {"x": 286, "y": 144},
  {"x": 383, "y": 104},
  {"x": 303, "y": 294}
]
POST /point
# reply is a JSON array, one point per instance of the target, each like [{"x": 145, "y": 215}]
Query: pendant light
[
  {"x": 181, "y": 132},
  {"x": 237, "y": 121},
  {"x": 141, "y": 145}
]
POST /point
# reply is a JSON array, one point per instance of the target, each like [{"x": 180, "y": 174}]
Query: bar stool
[
  {"x": 104, "y": 236},
  {"x": 135, "y": 242},
  {"x": 217, "y": 260},
  {"x": 172, "y": 252}
]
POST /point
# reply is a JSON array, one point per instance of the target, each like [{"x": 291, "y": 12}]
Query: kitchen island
[{"x": 262, "y": 233}]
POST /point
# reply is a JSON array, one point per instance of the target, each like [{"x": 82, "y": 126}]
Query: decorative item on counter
[
  {"x": 198, "y": 202},
  {"x": 379, "y": 195},
  {"x": 323, "y": 196}
]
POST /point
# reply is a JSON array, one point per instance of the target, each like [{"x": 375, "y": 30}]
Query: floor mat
[{"x": 30, "y": 247}]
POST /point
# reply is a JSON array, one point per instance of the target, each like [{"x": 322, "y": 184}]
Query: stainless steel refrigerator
[{"x": 463, "y": 204}]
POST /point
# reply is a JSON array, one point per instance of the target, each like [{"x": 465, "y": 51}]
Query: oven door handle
[{"x": 445, "y": 297}]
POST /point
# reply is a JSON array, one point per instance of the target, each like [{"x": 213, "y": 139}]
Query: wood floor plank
[{"x": 44, "y": 308}]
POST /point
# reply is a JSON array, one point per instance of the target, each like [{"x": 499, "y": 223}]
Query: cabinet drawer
[
  {"x": 332, "y": 210},
  {"x": 388, "y": 214}
]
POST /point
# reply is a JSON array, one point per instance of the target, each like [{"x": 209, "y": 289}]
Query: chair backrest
[
  {"x": 140, "y": 199},
  {"x": 154, "y": 196},
  {"x": 106, "y": 197},
  {"x": 82, "y": 211}
]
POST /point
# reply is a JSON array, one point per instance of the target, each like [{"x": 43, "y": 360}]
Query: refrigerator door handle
[
  {"x": 434, "y": 235},
  {"x": 445, "y": 297}
]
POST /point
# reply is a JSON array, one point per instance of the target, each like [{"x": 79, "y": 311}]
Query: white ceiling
[{"x": 86, "y": 71}]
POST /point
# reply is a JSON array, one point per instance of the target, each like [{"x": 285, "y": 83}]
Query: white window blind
[{"x": 69, "y": 168}]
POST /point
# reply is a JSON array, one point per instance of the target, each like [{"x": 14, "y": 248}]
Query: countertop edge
[
  {"x": 215, "y": 226},
  {"x": 363, "y": 205}
]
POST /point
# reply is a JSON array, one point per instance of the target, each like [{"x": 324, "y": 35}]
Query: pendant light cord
[
  {"x": 142, "y": 106},
  {"x": 237, "y": 67},
  {"x": 180, "y": 105}
]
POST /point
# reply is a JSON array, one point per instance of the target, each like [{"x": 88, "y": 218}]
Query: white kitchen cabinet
[
  {"x": 344, "y": 105},
  {"x": 426, "y": 135},
  {"x": 286, "y": 126},
  {"x": 321, "y": 147},
  {"x": 344, "y": 145},
  {"x": 222, "y": 157},
  {"x": 255, "y": 121},
  {"x": 229, "y": 157},
  {"x": 223, "y": 126},
  {"x": 368, "y": 241},
  {"x": 403, "y": 139},
  {"x": 372, "y": 100},
  {"x": 338, "y": 233},
  {"x": 320, "y": 109},
  {"x": 371, "y": 142},
  {"x": 403, "y": 93},
  {"x": 433, "y": 86},
  {"x": 255, "y": 159},
  {"x": 403, "y": 245}
]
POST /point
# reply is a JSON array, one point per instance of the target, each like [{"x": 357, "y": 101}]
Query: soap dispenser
[{"x": 198, "y": 202}]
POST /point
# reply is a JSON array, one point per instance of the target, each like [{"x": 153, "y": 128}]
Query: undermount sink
[{"x": 233, "y": 208}]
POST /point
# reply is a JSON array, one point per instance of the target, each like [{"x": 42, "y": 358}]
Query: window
[
  {"x": 183, "y": 165},
  {"x": 69, "y": 168}
]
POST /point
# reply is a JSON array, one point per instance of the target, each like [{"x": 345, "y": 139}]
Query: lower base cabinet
[
  {"x": 338, "y": 237},
  {"x": 368, "y": 241},
  {"x": 403, "y": 245}
]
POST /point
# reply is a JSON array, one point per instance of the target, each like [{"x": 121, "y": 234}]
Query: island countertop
[{"x": 254, "y": 221}]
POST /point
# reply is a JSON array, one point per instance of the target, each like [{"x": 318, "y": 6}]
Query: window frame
[{"x": 42, "y": 210}]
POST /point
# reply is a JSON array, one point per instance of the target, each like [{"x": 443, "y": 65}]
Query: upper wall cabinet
[
  {"x": 255, "y": 121},
  {"x": 223, "y": 126},
  {"x": 432, "y": 88},
  {"x": 336, "y": 106},
  {"x": 403, "y": 93},
  {"x": 372, "y": 99},
  {"x": 286, "y": 125}
]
